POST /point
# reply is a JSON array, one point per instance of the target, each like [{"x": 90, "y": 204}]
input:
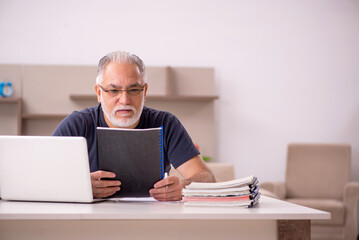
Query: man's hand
[
  {"x": 167, "y": 189},
  {"x": 104, "y": 188}
]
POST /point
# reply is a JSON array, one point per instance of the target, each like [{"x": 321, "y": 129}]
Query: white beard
[{"x": 122, "y": 123}]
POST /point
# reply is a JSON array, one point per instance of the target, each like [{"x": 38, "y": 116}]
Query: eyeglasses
[{"x": 115, "y": 91}]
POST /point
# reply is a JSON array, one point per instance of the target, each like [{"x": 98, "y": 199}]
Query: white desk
[{"x": 153, "y": 220}]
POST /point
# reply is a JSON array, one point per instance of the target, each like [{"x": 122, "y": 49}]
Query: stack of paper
[{"x": 238, "y": 192}]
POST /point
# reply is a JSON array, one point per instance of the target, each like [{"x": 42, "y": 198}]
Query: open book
[{"x": 134, "y": 155}]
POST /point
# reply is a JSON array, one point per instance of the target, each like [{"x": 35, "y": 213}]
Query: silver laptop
[{"x": 34, "y": 168}]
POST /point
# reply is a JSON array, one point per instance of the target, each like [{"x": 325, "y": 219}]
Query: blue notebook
[{"x": 134, "y": 155}]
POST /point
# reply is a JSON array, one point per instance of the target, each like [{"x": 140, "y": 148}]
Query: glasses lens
[
  {"x": 114, "y": 92},
  {"x": 134, "y": 91}
]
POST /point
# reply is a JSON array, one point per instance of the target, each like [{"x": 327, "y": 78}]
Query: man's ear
[
  {"x": 98, "y": 93},
  {"x": 146, "y": 88}
]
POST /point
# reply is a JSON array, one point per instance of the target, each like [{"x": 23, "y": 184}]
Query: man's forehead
[{"x": 122, "y": 74}]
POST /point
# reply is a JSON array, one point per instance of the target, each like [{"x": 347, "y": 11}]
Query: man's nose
[{"x": 124, "y": 98}]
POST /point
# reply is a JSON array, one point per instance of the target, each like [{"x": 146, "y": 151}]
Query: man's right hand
[{"x": 104, "y": 188}]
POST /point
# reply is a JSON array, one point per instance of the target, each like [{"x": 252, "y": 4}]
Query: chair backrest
[{"x": 317, "y": 170}]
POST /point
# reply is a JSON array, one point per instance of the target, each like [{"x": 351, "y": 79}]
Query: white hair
[{"x": 120, "y": 57}]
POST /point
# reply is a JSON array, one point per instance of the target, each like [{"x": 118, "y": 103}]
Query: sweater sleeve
[{"x": 178, "y": 143}]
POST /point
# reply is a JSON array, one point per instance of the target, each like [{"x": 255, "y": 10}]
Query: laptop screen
[{"x": 44, "y": 168}]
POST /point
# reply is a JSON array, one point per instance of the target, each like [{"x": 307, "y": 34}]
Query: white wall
[{"x": 286, "y": 71}]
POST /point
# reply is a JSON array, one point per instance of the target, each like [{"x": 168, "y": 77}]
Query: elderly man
[{"x": 121, "y": 88}]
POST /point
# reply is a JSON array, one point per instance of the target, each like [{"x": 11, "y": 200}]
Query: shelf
[
  {"x": 43, "y": 116},
  {"x": 86, "y": 97},
  {"x": 187, "y": 92},
  {"x": 182, "y": 98},
  {"x": 83, "y": 97},
  {"x": 10, "y": 100}
]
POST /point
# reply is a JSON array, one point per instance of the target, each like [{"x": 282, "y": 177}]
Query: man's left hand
[{"x": 167, "y": 189}]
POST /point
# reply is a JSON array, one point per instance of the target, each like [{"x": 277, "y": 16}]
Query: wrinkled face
[{"x": 122, "y": 95}]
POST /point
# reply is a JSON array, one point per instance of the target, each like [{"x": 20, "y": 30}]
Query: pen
[{"x": 166, "y": 176}]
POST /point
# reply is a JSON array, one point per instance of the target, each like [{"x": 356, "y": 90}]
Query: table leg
[{"x": 293, "y": 229}]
